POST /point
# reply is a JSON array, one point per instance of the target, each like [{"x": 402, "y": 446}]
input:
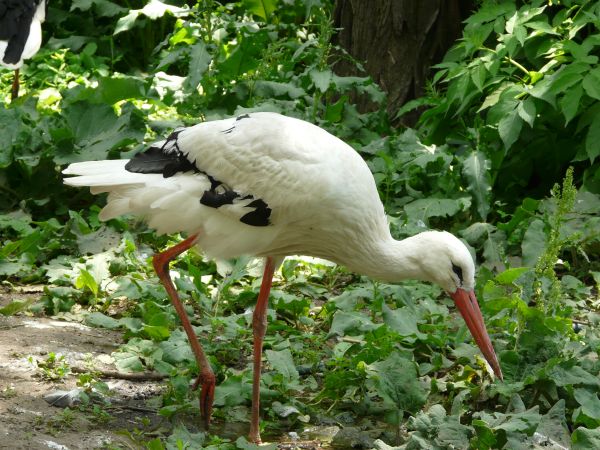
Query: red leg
[
  {"x": 15, "y": 87},
  {"x": 259, "y": 326},
  {"x": 207, "y": 376}
]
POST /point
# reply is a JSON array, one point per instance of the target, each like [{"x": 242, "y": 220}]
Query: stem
[{"x": 517, "y": 65}]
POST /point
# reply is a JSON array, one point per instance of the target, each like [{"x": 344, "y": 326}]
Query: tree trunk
[{"x": 399, "y": 40}]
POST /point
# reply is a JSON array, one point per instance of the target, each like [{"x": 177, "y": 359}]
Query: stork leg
[
  {"x": 15, "y": 87},
  {"x": 259, "y": 326},
  {"x": 207, "y": 376}
]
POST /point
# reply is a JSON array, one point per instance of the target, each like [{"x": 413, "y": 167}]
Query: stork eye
[{"x": 458, "y": 271}]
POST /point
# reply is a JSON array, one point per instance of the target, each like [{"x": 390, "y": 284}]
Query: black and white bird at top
[
  {"x": 268, "y": 185},
  {"x": 20, "y": 33}
]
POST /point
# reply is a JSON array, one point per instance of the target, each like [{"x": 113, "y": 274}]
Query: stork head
[{"x": 445, "y": 260}]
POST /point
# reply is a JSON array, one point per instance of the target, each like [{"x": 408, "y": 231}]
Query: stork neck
[{"x": 391, "y": 260}]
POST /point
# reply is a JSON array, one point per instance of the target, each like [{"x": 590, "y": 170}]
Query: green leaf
[
  {"x": 591, "y": 83},
  {"x": 16, "y": 306},
  {"x": 534, "y": 242},
  {"x": 269, "y": 89},
  {"x": 199, "y": 61},
  {"x": 355, "y": 322},
  {"x": 565, "y": 374},
  {"x": 425, "y": 208},
  {"x": 569, "y": 103},
  {"x": 402, "y": 320},
  {"x": 509, "y": 128},
  {"x": 476, "y": 170},
  {"x": 584, "y": 439},
  {"x": 321, "y": 79},
  {"x": 262, "y": 8},
  {"x": 154, "y": 9},
  {"x": 526, "y": 110},
  {"x": 590, "y": 405},
  {"x": 113, "y": 89},
  {"x": 233, "y": 391},
  {"x": 554, "y": 425},
  {"x": 395, "y": 380},
  {"x": 98, "y": 130},
  {"x": 97, "y": 319},
  {"x": 177, "y": 348},
  {"x": 510, "y": 275},
  {"x": 283, "y": 363},
  {"x": 11, "y": 122},
  {"x": 128, "y": 361},
  {"x": 86, "y": 280},
  {"x": 592, "y": 139},
  {"x": 478, "y": 76}
]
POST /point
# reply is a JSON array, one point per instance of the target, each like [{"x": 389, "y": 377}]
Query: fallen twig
[{"x": 144, "y": 376}]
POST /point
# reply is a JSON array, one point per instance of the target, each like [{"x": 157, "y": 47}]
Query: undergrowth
[{"x": 513, "y": 105}]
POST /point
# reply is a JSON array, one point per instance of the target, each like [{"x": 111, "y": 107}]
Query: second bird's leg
[
  {"x": 15, "y": 86},
  {"x": 259, "y": 326},
  {"x": 207, "y": 376}
]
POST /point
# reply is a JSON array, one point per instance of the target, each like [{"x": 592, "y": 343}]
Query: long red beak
[{"x": 466, "y": 302}]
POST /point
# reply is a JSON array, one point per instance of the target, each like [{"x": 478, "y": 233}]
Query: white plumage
[
  {"x": 309, "y": 179},
  {"x": 268, "y": 185},
  {"x": 20, "y": 30}
]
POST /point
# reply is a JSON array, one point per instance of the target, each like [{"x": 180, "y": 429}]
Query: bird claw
[{"x": 207, "y": 395}]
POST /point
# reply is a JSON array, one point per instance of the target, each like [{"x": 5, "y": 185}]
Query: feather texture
[{"x": 20, "y": 30}]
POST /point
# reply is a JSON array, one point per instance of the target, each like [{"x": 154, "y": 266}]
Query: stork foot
[
  {"x": 255, "y": 438},
  {"x": 207, "y": 396}
]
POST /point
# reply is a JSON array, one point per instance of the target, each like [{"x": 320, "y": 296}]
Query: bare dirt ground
[{"x": 27, "y": 421}]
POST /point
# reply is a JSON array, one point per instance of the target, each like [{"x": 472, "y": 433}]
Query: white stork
[
  {"x": 20, "y": 33},
  {"x": 267, "y": 185}
]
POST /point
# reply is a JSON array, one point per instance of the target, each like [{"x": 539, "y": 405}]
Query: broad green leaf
[
  {"x": 10, "y": 125},
  {"x": 534, "y": 242},
  {"x": 568, "y": 76},
  {"x": 478, "y": 76},
  {"x": 183, "y": 439},
  {"x": 177, "y": 348},
  {"x": 232, "y": 392},
  {"x": 199, "y": 61},
  {"x": 476, "y": 171},
  {"x": 554, "y": 424},
  {"x": 543, "y": 90},
  {"x": 345, "y": 323},
  {"x": 16, "y": 306},
  {"x": 321, "y": 79},
  {"x": 86, "y": 280},
  {"x": 402, "y": 320},
  {"x": 509, "y": 128},
  {"x": 154, "y": 9},
  {"x": 569, "y": 103},
  {"x": 590, "y": 404},
  {"x": 592, "y": 139},
  {"x": 527, "y": 111},
  {"x": 128, "y": 362},
  {"x": 98, "y": 130},
  {"x": 283, "y": 363},
  {"x": 395, "y": 380},
  {"x": 510, "y": 275},
  {"x": 591, "y": 84},
  {"x": 157, "y": 332},
  {"x": 425, "y": 208},
  {"x": 584, "y": 439},
  {"x": 104, "y": 8},
  {"x": 262, "y": 8},
  {"x": 566, "y": 374},
  {"x": 112, "y": 89},
  {"x": 269, "y": 89},
  {"x": 97, "y": 319}
]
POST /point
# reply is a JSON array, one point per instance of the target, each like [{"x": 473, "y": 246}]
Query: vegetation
[{"x": 513, "y": 105}]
